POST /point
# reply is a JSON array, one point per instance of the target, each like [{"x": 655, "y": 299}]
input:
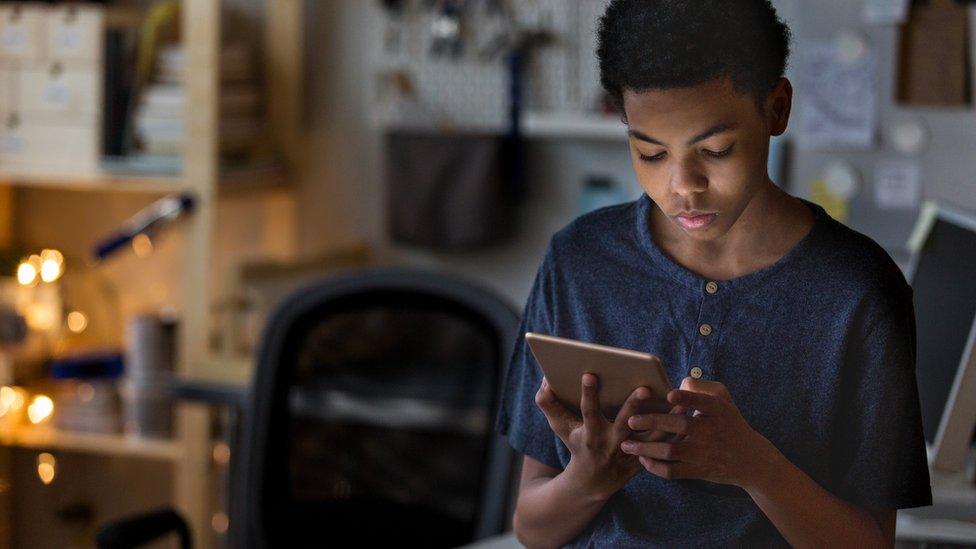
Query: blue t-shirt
[{"x": 817, "y": 351}]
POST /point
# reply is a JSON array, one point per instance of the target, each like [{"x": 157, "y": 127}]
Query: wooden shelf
[
  {"x": 46, "y": 438},
  {"x": 574, "y": 126},
  {"x": 95, "y": 182},
  {"x": 541, "y": 125},
  {"x": 234, "y": 181}
]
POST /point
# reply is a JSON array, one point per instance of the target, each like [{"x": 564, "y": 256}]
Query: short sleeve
[
  {"x": 883, "y": 463},
  {"x": 519, "y": 418}
]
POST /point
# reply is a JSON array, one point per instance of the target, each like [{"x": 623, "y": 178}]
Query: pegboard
[{"x": 471, "y": 91}]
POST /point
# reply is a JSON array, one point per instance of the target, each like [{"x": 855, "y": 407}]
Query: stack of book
[{"x": 160, "y": 125}]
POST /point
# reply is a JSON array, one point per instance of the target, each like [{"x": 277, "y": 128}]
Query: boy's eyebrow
[{"x": 716, "y": 129}]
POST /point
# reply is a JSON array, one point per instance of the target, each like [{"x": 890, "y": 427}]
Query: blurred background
[{"x": 262, "y": 261}]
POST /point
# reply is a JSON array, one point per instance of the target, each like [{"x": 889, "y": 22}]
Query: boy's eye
[
  {"x": 712, "y": 154},
  {"x": 718, "y": 154}
]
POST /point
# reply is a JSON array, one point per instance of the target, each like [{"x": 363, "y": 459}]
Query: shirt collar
[{"x": 691, "y": 280}]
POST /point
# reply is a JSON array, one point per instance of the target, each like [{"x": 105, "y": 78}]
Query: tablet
[{"x": 620, "y": 372}]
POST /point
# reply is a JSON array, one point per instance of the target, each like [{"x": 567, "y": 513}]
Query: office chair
[
  {"x": 372, "y": 412},
  {"x": 371, "y": 416}
]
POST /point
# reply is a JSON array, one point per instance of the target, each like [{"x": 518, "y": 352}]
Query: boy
[{"x": 793, "y": 335}]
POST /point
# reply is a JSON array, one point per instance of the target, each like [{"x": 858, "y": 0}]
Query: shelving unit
[
  {"x": 190, "y": 451},
  {"x": 230, "y": 182},
  {"x": 44, "y": 438},
  {"x": 574, "y": 126},
  {"x": 101, "y": 182}
]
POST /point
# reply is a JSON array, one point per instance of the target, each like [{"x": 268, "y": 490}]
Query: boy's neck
[{"x": 770, "y": 225}]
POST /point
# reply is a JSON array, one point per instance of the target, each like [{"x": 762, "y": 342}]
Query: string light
[
  {"x": 77, "y": 321},
  {"x": 52, "y": 265},
  {"x": 26, "y": 274},
  {"x": 50, "y": 270},
  {"x": 52, "y": 255},
  {"x": 40, "y": 409},
  {"x": 11, "y": 399},
  {"x": 46, "y": 467},
  {"x": 48, "y": 265}
]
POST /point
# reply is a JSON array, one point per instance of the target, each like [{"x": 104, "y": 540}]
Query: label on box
[
  {"x": 14, "y": 38},
  {"x": 57, "y": 94},
  {"x": 67, "y": 40}
]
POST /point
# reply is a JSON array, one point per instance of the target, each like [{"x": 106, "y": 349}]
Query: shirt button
[
  {"x": 696, "y": 372},
  {"x": 711, "y": 287},
  {"x": 705, "y": 329}
]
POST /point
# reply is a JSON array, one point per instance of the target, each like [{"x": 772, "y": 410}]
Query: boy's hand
[
  {"x": 717, "y": 443},
  {"x": 598, "y": 464}
]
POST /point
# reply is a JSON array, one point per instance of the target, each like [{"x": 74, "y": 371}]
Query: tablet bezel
[{"x": 606, "y": 363}]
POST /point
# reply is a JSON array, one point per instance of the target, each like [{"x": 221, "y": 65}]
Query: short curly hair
[{"x": 658, "y": 44}]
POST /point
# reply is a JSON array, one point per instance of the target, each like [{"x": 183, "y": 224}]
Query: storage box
[
  {"x": 53, "y": 149},
  {"x": 22, "y": 32},
  {"x": 57, "y": 92},
  {"x": 51, "y": 75},
  {"x": 75, "y": 34}
]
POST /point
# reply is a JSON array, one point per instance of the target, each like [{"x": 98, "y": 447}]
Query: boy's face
[{"x": 703, "y": 149}]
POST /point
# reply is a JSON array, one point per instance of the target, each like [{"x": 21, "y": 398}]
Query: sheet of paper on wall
[
  {"x": 933, "y": 68},
  {"x": 837, "y": 98},
  {"x": 897, "y": 185},
  {"x": 885, "y": 12},
  {"x": 835, "y": 206}
]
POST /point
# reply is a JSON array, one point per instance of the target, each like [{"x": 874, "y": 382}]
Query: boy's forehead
[{"x": 683, "y": 110}]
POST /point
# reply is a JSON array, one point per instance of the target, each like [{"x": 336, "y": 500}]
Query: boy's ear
[{"x": 778, "y": 107}]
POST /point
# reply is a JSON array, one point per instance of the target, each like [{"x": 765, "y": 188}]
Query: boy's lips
[{"x": 695, "y": 220}]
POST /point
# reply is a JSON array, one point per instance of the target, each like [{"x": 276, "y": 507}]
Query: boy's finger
[
  {"x": 652, "y": 435},
  {"x": 590, "y": 402},
  {"x": 667, "y": 451},
  {"x": 703, "y": 402},
  {"x": 561, "y": 419},
  {"x": 631, "y": 406},
  {"x": 669, "y": 423}
]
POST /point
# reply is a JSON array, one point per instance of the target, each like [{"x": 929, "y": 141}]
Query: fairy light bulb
[
  {"x": 40, "y": 409},
  {"x": 77, "y": 321},
  {"x": 26, "y": 274},
  {"x": 52, "y": 265},
  {"x": 46, "y": 467},
  {"x": 11, "y": 398}
]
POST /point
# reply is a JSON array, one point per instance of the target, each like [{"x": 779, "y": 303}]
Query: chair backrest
[{"x": 371, "y": 414}]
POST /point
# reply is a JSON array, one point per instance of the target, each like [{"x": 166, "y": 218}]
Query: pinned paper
[
  {"x": 834, "y": 205},
  {"x": 838, "y": 94},
  {"x": 910, "y": 137},
  {"x": 897, "y": 185},
  {"x": 885, "y": 12},
  {"x": 842, "y": 179}
]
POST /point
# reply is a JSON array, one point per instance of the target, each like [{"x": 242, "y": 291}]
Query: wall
[{"x": 343, "y": 198}]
